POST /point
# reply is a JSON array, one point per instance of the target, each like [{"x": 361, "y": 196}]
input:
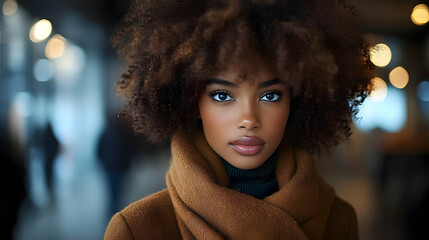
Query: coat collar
[{"x": 207, "y": 209}]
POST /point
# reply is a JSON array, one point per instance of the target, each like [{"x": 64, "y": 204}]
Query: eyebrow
[
  {"x": 269, "y": 83},
  {"x": 231, "y": 84}
]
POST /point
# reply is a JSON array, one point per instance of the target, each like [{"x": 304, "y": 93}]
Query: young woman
[{"x": 247, "y": 91}]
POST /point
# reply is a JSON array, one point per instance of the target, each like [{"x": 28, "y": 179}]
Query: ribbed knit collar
[{"x": 259, "y": 182}]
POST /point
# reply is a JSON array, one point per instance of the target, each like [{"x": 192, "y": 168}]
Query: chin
[{"x": 248, "y": 164}]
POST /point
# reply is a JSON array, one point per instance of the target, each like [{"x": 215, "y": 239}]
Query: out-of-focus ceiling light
[
  {"x": 399, "y": 77},
  {"x": 420, "y": 15},
  {"x": 55, "y": 46},
  {"x": 10, "y": 7},
  {"x": 379, "y": 92},
  {"x": 381, "y": 55},
  {"x": 40, "y": 30}
]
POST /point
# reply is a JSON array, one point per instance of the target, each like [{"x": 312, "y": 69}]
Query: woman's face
[{"x": 244, "y": 121}]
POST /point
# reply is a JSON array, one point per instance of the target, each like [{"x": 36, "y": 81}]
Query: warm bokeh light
[
  {"x": 420, "y": 15},
  {"x": 9, "y": 7},
  {"x": 72, "y": 62},
  {"x": 399, "y": 77},
  {"x": 379, "y": 92},
  {"x": 55, "y": 46},
  {"x": 41, "y": 30},
  {"x": 381, "y": 55},
  {"x": 423, "y": 91}
]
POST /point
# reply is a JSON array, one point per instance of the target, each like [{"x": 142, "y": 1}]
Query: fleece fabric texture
[{"x": 197, "y": 203}]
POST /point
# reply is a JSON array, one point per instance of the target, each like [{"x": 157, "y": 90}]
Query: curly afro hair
[{"x": 172, "y": 47}]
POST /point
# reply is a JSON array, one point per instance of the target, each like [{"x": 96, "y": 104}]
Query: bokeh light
[
  {"x": 420, "y": 15},
  {"x": 72, "y": 62},
  {"x": 40, "y": 30},
  {"x": 423, "y": 91},
  {"x": 389, "y": 115},
  {"x": 399, "y": 77},
  {"x": 43, "y": 70},
  {"x": 10, "y": 7},
  {"x": 381, "y": 55},
  {"x": 55, "y": 46},
  {"x": 379, "y": 92}
]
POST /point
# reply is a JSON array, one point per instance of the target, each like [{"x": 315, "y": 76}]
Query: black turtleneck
[{"x": 259, "y": 182}]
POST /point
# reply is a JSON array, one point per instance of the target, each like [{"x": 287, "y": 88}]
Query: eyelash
[
  {"x": 215, "y": 93},
  {"x": 278, "y": 93}
]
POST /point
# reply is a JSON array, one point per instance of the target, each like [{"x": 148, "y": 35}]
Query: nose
[{"x": 248, "y": 117}]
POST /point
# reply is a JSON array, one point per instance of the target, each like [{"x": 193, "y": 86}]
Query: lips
[{"x": 248, "y": 146}]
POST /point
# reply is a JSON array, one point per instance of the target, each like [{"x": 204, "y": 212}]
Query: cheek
[
  {"x": 280, "y": 120},
  {"x": 278, "y": 125},
  {"x": 277, "y": 121},
  {"x": 214, "y": 120}
]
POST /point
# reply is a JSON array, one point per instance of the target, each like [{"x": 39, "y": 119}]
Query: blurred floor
[{"x": 79, "y": 207}]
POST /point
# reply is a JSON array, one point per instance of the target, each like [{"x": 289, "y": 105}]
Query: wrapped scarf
[{"x": 206, "y": 209}]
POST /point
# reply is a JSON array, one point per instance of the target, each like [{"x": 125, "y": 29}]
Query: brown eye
[
  {"x": 272, "y": 96},
  {"x": 221, "y": 96}
]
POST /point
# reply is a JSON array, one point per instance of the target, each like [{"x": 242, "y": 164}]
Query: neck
[{"x": 259, "y": 182}]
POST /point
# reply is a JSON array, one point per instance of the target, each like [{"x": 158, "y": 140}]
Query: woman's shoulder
[
  {"x": 152, "y": 217},
  {"x": 342, "y": 222}
]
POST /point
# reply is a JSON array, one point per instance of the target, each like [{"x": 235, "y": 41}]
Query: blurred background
[{"x": 67, "y": 164}]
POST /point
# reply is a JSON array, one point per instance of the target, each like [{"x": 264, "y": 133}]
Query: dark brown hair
[{"x": 172, "y": 47}]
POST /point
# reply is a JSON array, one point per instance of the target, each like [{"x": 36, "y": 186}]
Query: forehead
[
  {"x": 255, "y": 68},
  {"x": 259, "y": 85}
]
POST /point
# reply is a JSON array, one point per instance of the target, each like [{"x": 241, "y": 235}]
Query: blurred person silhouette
[
  {"x": 12, "y": 184},
  {"x": 115, "y": 154},
  {"x": 50, "y": 147}
]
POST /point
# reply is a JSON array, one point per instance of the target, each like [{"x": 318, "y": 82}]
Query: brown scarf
[{"x": 206, "y": 209}]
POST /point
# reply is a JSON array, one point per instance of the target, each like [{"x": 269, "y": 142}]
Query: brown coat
[{"x": 198, "y": 205}]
